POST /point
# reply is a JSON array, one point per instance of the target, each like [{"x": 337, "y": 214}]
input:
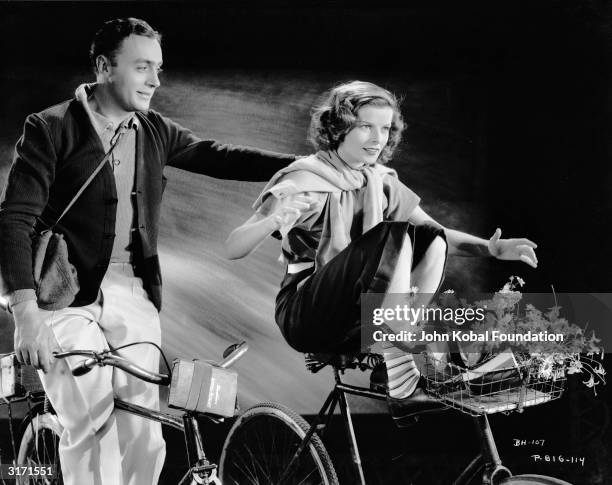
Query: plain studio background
[{"x": 508, "y": 125}]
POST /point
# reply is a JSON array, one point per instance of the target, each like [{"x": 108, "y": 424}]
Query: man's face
[{"x": 133, "y": 78}]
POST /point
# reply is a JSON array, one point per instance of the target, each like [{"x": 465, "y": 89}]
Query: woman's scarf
[{"x": 327, "y": 172}]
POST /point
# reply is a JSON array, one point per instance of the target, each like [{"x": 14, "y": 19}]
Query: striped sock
[{"x": 402, "y": 373}]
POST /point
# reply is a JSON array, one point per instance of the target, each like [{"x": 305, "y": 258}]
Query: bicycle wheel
[
  {"x": 39, "y": 448},
  {"x": 262, "y": 442},
  {"x": 532, "y": 480}
]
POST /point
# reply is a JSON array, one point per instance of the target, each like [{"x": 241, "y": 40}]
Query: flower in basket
[{"x": 576, "y": 353}]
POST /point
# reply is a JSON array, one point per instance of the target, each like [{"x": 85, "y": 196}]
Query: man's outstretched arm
[{"x": 220, "y": 160}]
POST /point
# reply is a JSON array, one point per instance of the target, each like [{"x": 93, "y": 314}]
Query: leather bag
[{"x": 56, "y": 278}]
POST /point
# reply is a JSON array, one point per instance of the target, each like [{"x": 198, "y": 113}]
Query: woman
[{"x": 349, "y": 226}]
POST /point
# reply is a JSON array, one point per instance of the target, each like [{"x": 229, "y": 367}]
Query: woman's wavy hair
[{"x": 337, "y": 115}]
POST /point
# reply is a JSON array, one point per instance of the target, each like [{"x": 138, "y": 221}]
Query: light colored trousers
[{"x": 100, "y": 446}]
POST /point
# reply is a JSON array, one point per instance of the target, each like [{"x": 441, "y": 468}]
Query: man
[{"x": 111, "y": 233}]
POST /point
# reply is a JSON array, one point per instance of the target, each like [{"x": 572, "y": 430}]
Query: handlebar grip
[
  {"x": 84, "y": 367},
  {"x": 236, "y": 352}
]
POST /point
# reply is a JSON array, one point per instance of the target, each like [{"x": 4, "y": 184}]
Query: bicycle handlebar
[
  {"x": 236, "y": 353},
  {"x": 106, "y": 358},
  {"x": 84, "y": 367}
]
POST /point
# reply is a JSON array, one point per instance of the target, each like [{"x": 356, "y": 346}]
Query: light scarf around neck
[{"x": 326, "y": 172}]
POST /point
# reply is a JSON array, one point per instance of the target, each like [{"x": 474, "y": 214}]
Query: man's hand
[
  {"x": 513, "y": 249},
  {"x": 34, "y": 341}
]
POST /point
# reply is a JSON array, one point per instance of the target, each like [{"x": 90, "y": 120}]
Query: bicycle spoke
[
  {"x": 42, "y": 450},
  {"x": 248, "y": 463},
  {"x": 246, "y": 468},
  {"x": 263, "y": 453},
  {"x": 265, "y": 445},
  {"x": 306, "y": 477}
]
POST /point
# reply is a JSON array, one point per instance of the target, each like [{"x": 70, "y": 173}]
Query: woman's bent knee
[
  {"x": 438, "y": 246},
  {"x": 436, "y": 252}
]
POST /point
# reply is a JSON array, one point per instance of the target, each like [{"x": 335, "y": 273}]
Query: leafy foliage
[{"x": 577, "y": 353}]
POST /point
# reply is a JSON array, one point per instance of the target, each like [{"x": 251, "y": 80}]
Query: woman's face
[{"x": 364, "y": 143}]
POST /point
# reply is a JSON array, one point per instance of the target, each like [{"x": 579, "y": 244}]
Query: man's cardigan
[{"x": 58, "y": 151}]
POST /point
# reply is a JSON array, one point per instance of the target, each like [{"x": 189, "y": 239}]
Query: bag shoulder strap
[{"x": 91, "y": 177}]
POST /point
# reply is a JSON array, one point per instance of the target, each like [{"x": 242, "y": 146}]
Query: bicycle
[
  {"x": 269, "y": 443},
  {"x": 40, "y": 429}
]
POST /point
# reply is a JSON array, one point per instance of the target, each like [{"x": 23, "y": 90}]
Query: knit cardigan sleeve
[
  {"x": 25, "y": 197},
  {"x": 186, "y": 151}
]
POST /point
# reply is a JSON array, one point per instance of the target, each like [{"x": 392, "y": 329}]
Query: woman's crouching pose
[{"x": 349, "y": 226}]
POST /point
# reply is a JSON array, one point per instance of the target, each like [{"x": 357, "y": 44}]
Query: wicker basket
[{"x": 507, "y": 389}]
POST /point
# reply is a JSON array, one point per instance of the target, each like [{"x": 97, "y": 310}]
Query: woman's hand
[
  {"x": 290, "y": 209},
  {"x": 244, "y": 239},
  {"x": 513, "y": 249}
]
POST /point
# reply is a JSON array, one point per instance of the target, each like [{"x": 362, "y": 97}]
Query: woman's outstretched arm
[
  {"x": 464, "y": 244},
  {"x": 243, "y": 240}
]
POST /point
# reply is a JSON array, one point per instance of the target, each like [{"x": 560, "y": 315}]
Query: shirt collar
[{"x": 100, "y": 122}]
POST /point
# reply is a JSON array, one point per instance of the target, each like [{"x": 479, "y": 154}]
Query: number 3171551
[{"x": 12, "y": 471}]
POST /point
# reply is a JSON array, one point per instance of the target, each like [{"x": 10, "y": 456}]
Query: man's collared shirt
[{"x": 123, "y": 162}]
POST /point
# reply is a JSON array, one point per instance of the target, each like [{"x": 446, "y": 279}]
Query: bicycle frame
[
  {"x": 487, "y": 462},
  {"x": 201, "y": 470},
  {"x": 186, "y": 423}
]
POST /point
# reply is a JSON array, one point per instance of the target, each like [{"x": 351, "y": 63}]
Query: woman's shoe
[{"x": 404, "y": 411}]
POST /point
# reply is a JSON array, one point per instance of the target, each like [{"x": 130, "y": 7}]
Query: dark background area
[
  {"x": 516, "y": 92},
  {"x": 507, "y": 105}
]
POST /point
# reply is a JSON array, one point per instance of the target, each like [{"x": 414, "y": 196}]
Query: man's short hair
[
  {"x": 108, "y": 39},
  {"x": 337, "y": 115}
]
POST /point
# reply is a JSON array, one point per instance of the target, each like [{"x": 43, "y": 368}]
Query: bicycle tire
[
  {"x": 532, "y": 480},
  {"x": 39, "y": 446},
  {"x": 261, "y": 443}
]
